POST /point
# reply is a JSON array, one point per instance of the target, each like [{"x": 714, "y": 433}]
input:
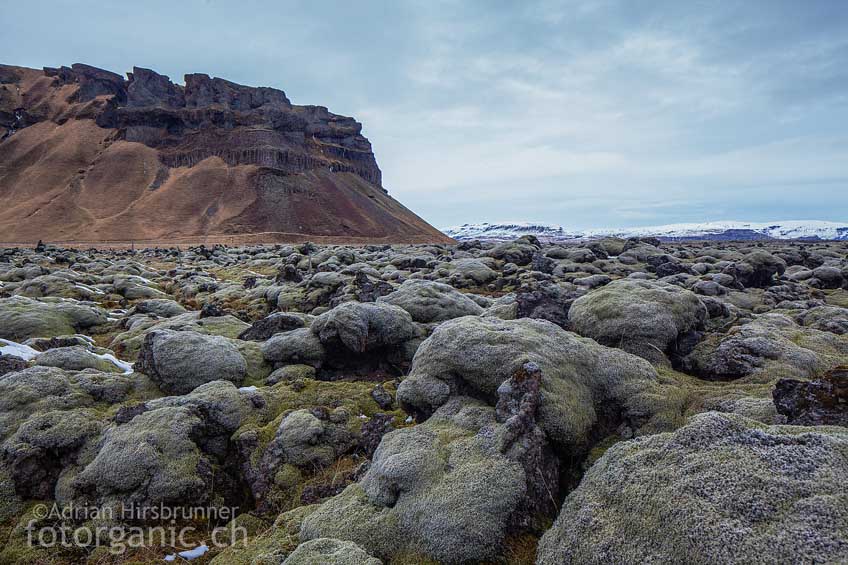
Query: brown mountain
[{"x": 86, "y": 156}]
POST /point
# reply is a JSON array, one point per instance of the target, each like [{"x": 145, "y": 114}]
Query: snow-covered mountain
[
  {"x": 790, "y": 229},
  {"x": 509, "y": 231}
]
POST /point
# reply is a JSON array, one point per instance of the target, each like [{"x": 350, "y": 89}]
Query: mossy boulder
[
  {"x": 826, "y": 318},
  {"x": 42, "y": 389},
  {"x": 161, "y": 307},
  {"x": 722, "y": 489},
  {"x": 278, "y": 322},
  {"x": 128, "y": 343},
  {"x": 149, "y": 461},
  {"x": 169, "y": 452},
  {"x": 273, "y": 545},
  {"x": 583, "y": 384},
  {"x": 756, "y": 269},
  {"x": 326, "y": 551},
  {"x": 181, "y": 361},
  {"x": 310, "y": 438},
  {"x": 447, "y": 490},
  {"x": 58, "y": 284},
  {"x": 291, "y": 373},
  {"x": 307, "y": 444},
  {"x": 770, "y": 345},
  {"x": 364, "y": 326},
  {"x": 23, "y": 318},
  {"x": 646, "y": 318},
  {"x": 299, "y": 346},
  {"x": 519, "y": 252},
  {"x": 429, "y": 301},
  {"x": 76, "y": 358},
  {"x": 469, "y": 272},
  {"x": 44, "y": 446}
]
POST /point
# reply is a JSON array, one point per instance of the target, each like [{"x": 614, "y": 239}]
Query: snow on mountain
[
  {"x": 790, "y": 229},
  {"x": 509, "y": 231}
]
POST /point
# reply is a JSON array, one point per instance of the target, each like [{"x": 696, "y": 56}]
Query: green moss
[
  {"x": 286, "y": 397},
  {"x": 19, "y": 551},
  {"x": 682, "y": 396},
  {"x": 599, "y": 449},
  {"x": 410, "y": 558},
  {"x": 257, "y": 368},
  {"x": 838, "y": 297},
  {"x": 520, "y": 550},
  {"x": 270, "y": 546},
  {"x": 227, "y": 326},
  {"x": 19, "y": 321},
  {"x": 308, "y": 393},
  {"x": 244, "y": 525}
]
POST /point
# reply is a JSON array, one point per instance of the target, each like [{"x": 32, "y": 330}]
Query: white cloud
[{"x": 581, "y": 110}]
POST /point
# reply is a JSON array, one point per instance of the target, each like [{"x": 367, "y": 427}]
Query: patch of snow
[
  {"x": 248, "y": 389},
  {"x": 143, "y": 280},
  {"x": 89, "y": 288},
  {"x": 788, "y": 229},
  {"x": 25, "y": 352},
  {"x": 127, "y": 368},
  {"x": 189, "y": 554}
]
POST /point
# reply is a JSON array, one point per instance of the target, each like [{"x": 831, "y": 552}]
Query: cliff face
[{"x": 88, "y": 156}]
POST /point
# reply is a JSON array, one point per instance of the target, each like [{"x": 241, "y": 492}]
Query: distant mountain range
[{"x": 790, "y": 229}]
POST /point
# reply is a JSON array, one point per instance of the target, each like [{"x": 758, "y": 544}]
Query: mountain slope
[
  {"x": 790, "y": 229},
  {"x": 88, "y": 156}
]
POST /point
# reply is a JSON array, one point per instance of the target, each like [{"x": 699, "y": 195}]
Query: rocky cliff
[{"x": 86, "y": 155}]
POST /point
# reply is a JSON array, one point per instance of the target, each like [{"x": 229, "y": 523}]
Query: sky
[{"x": 579, "y": 113}]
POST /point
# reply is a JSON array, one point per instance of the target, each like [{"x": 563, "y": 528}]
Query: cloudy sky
[{"x": 581, "y": 113}]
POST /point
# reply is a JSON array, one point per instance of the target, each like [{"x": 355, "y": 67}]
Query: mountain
[
  {"x": 86, "y": 155},
  {"x": 791, "y": 229}
]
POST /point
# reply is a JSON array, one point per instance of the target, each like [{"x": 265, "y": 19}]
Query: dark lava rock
[
  {"x": 637, "y": 241},
  {"x": 544, "y": 302},
  {"x": 369, "y": 291},
  {"x": 757, "y": 269},
  {"x": 10, "y": 364},
  {"x": 212, "y": 311},
  {"x": 383, "y": 399},
  {"x": 469, "y": 244},
  {"x": 149, "y": 88},
  {"x": 127, "y": 413},
  {"x": 542, "y": 264},
  {"x": 828, "y": 277},
  {"x": 315, "y": 493},
  {"x": 373, "y": 431},
  {"x": 671, "y": 268},
  {"x": 822, "y": 401},
  {"x": 519, "y": 398},
  {"x": 288, "y": 273},
  {"x": 276, "y": 323}
]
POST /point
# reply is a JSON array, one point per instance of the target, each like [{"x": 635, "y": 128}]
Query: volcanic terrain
[{"x": 87, "y": 156}]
